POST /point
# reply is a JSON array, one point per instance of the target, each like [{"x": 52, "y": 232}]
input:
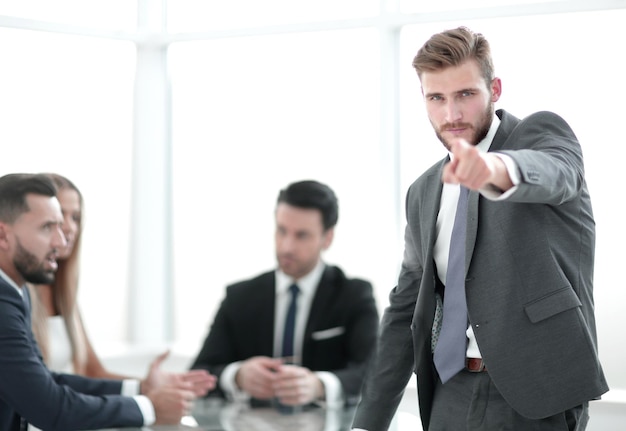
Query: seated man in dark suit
[
  {"x": 334, "y": 318},
  {"x": 30, "y": 238}
]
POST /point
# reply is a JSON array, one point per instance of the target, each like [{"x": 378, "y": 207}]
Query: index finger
[{"x": 457, "y": 146}]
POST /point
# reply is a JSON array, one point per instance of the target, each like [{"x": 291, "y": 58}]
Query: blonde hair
[{"x": 64, "y": 294}]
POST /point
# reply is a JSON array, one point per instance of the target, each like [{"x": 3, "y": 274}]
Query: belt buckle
[{"x": 473, "y": 369}]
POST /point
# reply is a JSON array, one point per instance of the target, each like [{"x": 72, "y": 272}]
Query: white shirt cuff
[
  {"x": 146, "y": 408},
  {"x": 511, "y": 168},
  {"x": 229, "y": 385},
  {"x": 333, "y": 389},
  {"x": 130, "y": 387}
]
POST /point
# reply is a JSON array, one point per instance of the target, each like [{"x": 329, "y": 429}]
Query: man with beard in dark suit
[{"x": 30, "y": 237}]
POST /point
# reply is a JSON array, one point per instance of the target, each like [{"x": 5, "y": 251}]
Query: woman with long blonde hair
[
  {"x": 56, "y": 319},
  {"x": 57, "y": 323}
]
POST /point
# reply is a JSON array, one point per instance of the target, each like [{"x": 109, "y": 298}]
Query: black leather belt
[{"x": 475, "y": 365}]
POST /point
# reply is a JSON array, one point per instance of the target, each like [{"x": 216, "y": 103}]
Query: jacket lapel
[
  {"x": 431, "y": 202},
  {"x": 507, "y": 124},
  {"x": 267, "y": 289},
  {"x": 472, "y": 226},
  {"x": 323, "y": 295}
]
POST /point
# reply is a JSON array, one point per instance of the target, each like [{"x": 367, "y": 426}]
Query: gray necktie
[{"x": 450, "y": 350}]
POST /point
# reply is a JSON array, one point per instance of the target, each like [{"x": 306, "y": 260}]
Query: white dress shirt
[{"x": 307, "y": 287}]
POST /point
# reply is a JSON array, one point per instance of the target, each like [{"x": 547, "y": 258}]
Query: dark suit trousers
[{"x": 470, "y": 402}]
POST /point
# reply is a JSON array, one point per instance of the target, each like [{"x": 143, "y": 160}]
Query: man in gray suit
[
  {"x": 30, "y": 237},
  {"x": 528, "y": 353}
]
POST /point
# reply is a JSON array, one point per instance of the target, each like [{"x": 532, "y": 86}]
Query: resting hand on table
[
  {"x": 256, "y": 376},
  {"x": 170, "y": 404},
  {"x": 295, "y": 385},
  {"x": 199, "y": 382}
]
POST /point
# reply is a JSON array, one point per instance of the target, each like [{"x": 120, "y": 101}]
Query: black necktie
[
  {"x": 450, "y": 350},
  {"x": 290, "y": 322}
]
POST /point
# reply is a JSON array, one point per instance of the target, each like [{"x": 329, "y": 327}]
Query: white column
[
  {"x": 150, "y": 260},
  {"x": 390, "y": 137}
]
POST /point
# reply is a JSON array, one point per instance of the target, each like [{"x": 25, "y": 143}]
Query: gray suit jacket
[
  {"x": 529, "y": 283},
  {"x": 48, "y": 400}
]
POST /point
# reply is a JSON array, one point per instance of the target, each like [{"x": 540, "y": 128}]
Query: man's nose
[
  {"x": 287, "y": 243},
  {"x": 59, "y": 238},
  {"x": 453, "y": 112}
]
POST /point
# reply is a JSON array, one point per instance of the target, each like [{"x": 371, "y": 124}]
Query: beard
[
  {"x": 293, "y": 267},
  {"x": 32, "y": 270},
  {"x": 480, "y": 129}
]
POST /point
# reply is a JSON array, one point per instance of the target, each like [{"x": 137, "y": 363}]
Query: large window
[
  {"x": 251, "y": 115},
  {"x": 117, "y": 15},
  {"x": 204, "y": 16},
  {"x": 66, "y": 107},
  {"x": 224, "y": 103}
]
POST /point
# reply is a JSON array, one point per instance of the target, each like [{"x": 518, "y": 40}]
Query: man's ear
[
  {"x": 496, "y": 89},
  {"x": 4, "y": 236},
  {"x": 328, "y": 237}
]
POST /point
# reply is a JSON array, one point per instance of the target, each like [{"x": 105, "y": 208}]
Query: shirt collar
[
  {"x": 487, "y": 140},
  {"x": 306, "y": 284},
  {"x": 10, "y": 281}
]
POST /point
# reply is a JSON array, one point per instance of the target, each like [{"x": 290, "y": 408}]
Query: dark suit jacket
[
  {"x": 48, "y": 400},
  {"x": 244, "y": 327},
  {"x": 529, "y": 283}
]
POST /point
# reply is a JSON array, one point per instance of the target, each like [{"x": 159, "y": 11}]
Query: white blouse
[
  {"x": 59, "y": 350},
  {"x": 59, "y": 347}
]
